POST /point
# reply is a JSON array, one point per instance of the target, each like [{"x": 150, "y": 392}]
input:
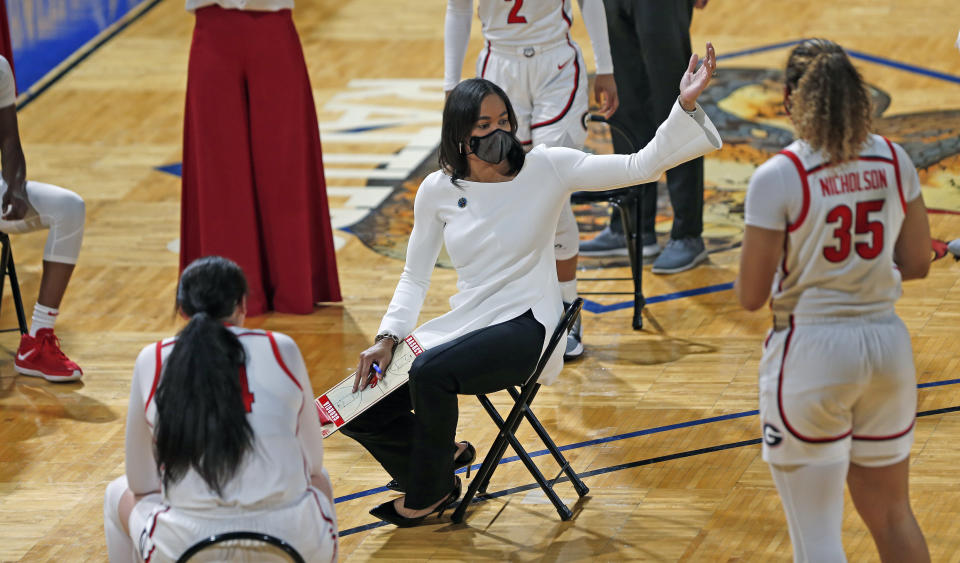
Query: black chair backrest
[
  {"x": 259, "y": 537},
  {"x": 559, "y": 333}
]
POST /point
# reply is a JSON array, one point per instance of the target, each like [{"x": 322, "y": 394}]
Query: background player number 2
[
  {"x": 844, "y": 215},
  {"x": 515, "y": 16}
]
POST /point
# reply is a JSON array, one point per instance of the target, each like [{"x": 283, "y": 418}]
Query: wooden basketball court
[{"x": 661, "y": 422}]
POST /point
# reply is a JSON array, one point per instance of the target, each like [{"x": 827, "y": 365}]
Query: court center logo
[{"x": 771, "y": 435}]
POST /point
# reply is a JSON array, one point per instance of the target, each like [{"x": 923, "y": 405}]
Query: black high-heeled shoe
[
  {"x": 465, "y": 459},
  {"x": 388, "y": 511}
]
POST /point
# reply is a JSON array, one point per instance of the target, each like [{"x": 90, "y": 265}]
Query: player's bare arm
[
  {"x": 14, "y": 204},
  {"x": 605, "y": 91},
  {"x": 911, "y": 252},
  {"x": 759, "y": 256}
]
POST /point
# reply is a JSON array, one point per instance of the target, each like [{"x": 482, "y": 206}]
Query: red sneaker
[{"x": 41, "y": 356}]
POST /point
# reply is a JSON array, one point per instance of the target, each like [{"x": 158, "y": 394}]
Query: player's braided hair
[
  {"x": 202, "y": 422},
  {"x": 828, "y": 100},
  {"x": 460, "y": 113}
]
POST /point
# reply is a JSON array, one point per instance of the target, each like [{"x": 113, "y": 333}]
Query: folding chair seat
[
  {"x": 8, "y": 270},
  {"x": 523, "y": 397},
  {"x": 628, "y": 202},
  {"x": 238, "y": 542}
]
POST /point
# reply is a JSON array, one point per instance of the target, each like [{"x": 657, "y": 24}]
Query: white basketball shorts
[
  {"x": 162, "y": 534},
  {"x": 833, "y": 389}
]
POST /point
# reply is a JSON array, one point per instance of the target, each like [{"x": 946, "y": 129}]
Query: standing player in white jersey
[
  {"x": 31, "y": 206},
  {"x": 833, "y": 224},
  {"x": 222, "y": 434},
  {"x": 529, "y": 53}
]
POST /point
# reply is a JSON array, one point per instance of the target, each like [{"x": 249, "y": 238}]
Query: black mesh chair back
[
  {"x": 240, "y": 545},
  {"x": 523, "y": 397},
  {"x": 628, "y": 201}
]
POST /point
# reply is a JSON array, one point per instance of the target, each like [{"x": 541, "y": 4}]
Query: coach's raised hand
[{"x": 695, "y": 80}]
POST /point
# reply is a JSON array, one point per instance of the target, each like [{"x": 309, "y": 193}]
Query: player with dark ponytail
[
  {"x": 202, "y": 424},
  {"x": 222, "y": 434}
]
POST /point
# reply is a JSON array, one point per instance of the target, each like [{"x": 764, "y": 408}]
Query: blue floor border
[
  {"x": 623, "y": 466},
  {"x": 634, "y": 434}
]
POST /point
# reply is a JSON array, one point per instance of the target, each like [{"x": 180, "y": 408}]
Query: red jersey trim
[
  {"x": 563, "y": 12},
  {"x": 153, "y": 528},
  {"x": 888, "y": 437},
  {"x": 283, "y": 366},
  {"x": 486, "y": 59},
  {"x": 896, "y": 169},
  {"x": 573, "y": 93},
  {"x": 820, "y": 167},
  {"x": 783, "y": 414},
  {"x": 328, "y": 520},
  {"x": 805, "y": 208},
  {"x": 156, "y": 374}
]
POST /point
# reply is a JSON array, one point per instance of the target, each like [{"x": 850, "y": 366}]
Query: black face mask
[{"x": 494, "y": 147}]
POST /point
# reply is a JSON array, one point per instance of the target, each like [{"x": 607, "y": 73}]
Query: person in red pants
[{"x": 253, "y": 184}]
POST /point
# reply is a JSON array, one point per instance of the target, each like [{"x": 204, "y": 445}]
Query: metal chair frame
[
  {"x": 241, "y": 535},
  {"x": 8, "y": 270},
  {"x": 521, "y": 409}
]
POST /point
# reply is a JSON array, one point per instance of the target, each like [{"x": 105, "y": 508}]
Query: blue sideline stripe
[
  {"x": 645, "y": 432},
  {"x": 595, "y": 307},
  {"x": 904, "y": 66},
  {"x": 48, "y": 81},
  {"x": 622, "y": 466}
]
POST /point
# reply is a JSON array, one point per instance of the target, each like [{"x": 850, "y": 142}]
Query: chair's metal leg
[
  {"x": 562, "y": 509},
  {"x": 11, "y": 271},
  {"x": 630, "y": 211},
  {"x": 489, "y": 462},
  {"x": 4, "y": 259},
  {"x": 578, "y": 484}
]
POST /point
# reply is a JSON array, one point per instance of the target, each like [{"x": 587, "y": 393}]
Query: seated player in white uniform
[
  {"x": 31, "y": 206},
  {"x": 833, "y": 224},
  {"x": 529, "y": 53},
  {"x": 222, "y": 434}
]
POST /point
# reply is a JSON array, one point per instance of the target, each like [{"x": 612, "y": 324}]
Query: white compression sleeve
[
  {"x": 812, "y": 497},
  {"x": 595, "y": 20},
  {"x": 57, "y": 209},
  {"x": 456, "y": 36}
]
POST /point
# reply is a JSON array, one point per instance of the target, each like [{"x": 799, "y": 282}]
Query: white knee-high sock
[
  {"x": 568, "y": 290},
  {"x": 120, "y": 546},
  {"x": 812, "y": 497},
  {"x": 43, "y": 317}
]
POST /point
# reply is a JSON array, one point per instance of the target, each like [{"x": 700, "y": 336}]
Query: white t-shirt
[
  {"x": 8, "y": 86},
  {"x": 515, "y": 24},
  {"x": 842, "y": 223},
  {"x": 288, "y": 444},
  {"x": 500, "y": 239}
]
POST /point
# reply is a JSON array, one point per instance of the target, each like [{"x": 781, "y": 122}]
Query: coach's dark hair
[
  {"x": 830, "y": 105},
  {"x": 202, "y": 421},
  {"x": 460, "y": 114}
]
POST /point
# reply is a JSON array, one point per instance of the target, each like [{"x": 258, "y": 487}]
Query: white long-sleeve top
[
  {"x": 501, "y": 241},
  {"x": 288, "y": 443},
  {"x": 514, "y": 25}
]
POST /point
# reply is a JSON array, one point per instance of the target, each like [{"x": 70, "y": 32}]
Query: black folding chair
[
  {"x": 521, "y": 408},
  {"x": 241, "y": 540},
  {"x": 628, "y": 202},
  {"x": 8, "y": 270}
]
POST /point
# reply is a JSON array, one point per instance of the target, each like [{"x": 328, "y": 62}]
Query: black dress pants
[
  {"x": 650, "y": 47},
  {"x": 417, "y": 448}
]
